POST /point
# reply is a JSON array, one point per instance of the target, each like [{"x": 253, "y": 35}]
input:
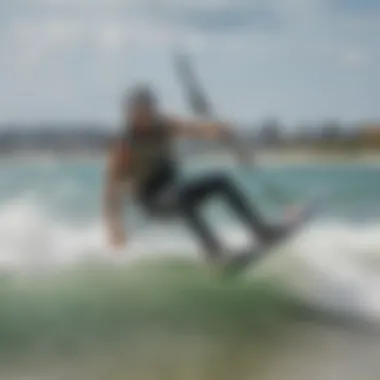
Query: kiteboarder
[{"x": 141, "y": 164}]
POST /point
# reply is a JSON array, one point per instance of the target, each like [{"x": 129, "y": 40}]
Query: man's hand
[
  {"x": 118, "y": 238},
  {"x": 201, "y": 129},
  {"x": 218, "y": 130}
]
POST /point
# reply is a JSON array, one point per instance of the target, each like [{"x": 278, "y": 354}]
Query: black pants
[{"x": 191, "y": 197}]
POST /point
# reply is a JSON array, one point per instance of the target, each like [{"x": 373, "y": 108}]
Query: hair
[{"x": 141, "y": 94}]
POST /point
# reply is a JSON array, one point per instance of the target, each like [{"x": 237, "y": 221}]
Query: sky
[{"x": 296, "y": 60}]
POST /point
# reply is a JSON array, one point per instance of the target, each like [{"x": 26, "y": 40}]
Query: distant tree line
[
  {"x": 329, "y": 136},
  {"x": 54, "y": 140}
]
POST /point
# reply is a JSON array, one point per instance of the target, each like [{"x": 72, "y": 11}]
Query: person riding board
[{"x": 143, "y": 164}]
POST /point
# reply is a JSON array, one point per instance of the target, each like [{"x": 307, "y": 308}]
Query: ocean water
[{"x": 71, "y": 308}]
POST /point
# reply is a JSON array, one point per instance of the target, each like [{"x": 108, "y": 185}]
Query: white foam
[
  {"x": 336, "y": 265},
  {"x": 333, "y": 263}
]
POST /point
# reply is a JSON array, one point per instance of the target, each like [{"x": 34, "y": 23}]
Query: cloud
[
  {"x": 355, "y": 57},
  {"x": 366, "y": 7},
  {"x": 72, "y": 58},
  {"x": 223, "y": 18}
]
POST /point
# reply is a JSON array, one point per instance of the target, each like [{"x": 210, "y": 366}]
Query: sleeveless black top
[{"x": 152, "y": 160}]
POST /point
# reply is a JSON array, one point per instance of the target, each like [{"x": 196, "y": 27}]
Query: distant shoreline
[{"x": 263, "y": 157}]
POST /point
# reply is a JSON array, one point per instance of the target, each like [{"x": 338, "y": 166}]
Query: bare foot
[{"x": 291, "y": 214}]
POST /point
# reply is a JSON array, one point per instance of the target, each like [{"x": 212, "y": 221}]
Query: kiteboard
[{"x": 242, "y": 260}]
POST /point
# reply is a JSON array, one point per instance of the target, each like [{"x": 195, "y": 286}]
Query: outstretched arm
[
  {"x": 200, "y": 129},
  {"x": 113, "y": 197},
  {"x": 213, "y": 131}
]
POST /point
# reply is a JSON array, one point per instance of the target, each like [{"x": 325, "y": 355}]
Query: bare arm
[
  {"x": 200, "y": 129},
  {"x": 113, "y": 197},
  {"x": 212, "y": 131}
]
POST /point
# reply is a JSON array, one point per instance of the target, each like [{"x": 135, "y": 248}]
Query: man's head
[{"x": 141, "y": 106}]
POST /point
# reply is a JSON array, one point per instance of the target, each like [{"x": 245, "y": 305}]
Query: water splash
[{"x": 333, "y": 264}]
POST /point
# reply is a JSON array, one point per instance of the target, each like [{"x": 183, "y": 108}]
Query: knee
[
  {"x": 221, "y": 180},
  {"x": 195, "y": 193},
  {"x": 185, "y": 198}
]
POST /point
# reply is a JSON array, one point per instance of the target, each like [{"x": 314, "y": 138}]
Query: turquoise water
[
  {"x": 73, "y": 309},
  {"x": 74, "y": 188}
]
